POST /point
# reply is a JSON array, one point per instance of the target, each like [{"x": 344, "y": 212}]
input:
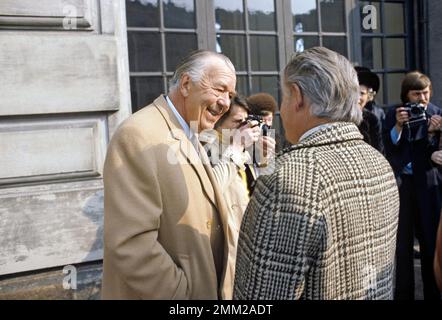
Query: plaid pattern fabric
[{"x": 323, "y": 225}]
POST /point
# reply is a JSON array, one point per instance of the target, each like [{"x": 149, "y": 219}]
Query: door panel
[
  {"x": 50, "y": 225},
  {"x": 59, "y": 73},
  {"x": 64, "y": 91},
  {"x": 48, "y": 14},
  {"x": 76, "y": 149}
]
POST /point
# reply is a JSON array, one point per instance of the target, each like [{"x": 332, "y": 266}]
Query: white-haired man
[
  {"x": 323, "y": 225},
  {"x": 165, "y": 222}
]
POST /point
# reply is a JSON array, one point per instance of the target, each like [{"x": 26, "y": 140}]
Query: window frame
[{"x": 358, "y": 35}]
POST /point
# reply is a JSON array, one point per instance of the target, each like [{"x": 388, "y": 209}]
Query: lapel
[{"x": 187, "y": 148}]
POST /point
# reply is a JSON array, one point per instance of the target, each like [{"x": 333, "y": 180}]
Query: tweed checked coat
[{"x": 323, "y": 225}]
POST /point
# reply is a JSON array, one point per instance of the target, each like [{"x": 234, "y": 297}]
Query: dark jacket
[
  {"x": 371, "y": 130},
  {"x": 377, "y": 111},
  {"x": 417, "y": 152}
]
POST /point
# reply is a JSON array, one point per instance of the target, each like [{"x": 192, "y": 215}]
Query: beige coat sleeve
[{"x": 133, "y": 207}]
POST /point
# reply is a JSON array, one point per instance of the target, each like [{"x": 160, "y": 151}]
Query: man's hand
[
  {"x": 401, "y": 118},
  {"x": 246, "y": 135},
  {"x": 435, "y": 124},
  {"x": 437, "y": 157},
  {"x": 267, "y": 145}
]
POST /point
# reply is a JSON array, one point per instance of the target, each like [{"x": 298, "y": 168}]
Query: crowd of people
[{"x": 199, "y": 206}]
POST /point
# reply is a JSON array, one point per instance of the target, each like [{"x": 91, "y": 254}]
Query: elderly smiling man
[
  {"x": 165, "y": 222},
  {"x": 323, "y": 225}
]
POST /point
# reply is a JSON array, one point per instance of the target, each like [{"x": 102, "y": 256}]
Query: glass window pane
[
  {"x": 261, "y": 15},
  {"x": 394, "y": 81},
  {"x": 304, "y": 43},
  {"x": 333, "y": 15},
  {"x": 395, "y": 53},
  {"x": 179, "y": 14},
  {"x": 234, "y": 47},
  {"x": 229, "y": 14},
  {"x": 370, "y": 17},
  {"x": 242, "y": 85},
  {"x": 268, "y": 84},
  {"x": 394, "y": 13},
  {"x": 372, "y": 53},
  {"x": 142, "y": 13},
  {"x": 305, "y": 15},
  {"x": 338, "y": 44},
  {"x": 379, "y": 99},
  {"x": 264, "y": 53},
  {"x": 178, "y": 45},
  {"x": 144, "y": 90},
  {"x": 144, "y": 51}
]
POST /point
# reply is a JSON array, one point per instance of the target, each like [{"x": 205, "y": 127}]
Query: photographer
[
  {"x": 411, "y": 135},
  {"x": 263, "y": 106}
]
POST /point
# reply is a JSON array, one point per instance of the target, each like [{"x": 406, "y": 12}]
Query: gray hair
[
  {"x": 195, "y": 65},
  {"x": 329, "y": 81}
]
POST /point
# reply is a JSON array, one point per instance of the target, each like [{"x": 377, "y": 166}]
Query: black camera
[
  {"x": 254, "y": 117},
  {"x": 416, "y": 111},
  {"x": 417, "y": 124}
]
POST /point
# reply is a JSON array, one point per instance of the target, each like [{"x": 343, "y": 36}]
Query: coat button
[{"x": 209, "y": 224}]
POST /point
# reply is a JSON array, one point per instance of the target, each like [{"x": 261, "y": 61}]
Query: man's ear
[
  {"x": 297, "y": 95},
  {"x": 185, "y": 84}
]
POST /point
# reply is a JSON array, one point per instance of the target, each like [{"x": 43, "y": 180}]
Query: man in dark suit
[{"x": 410, "y": 137}]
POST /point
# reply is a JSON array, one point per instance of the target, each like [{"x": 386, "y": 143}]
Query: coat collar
[{"x": 336, "y": 132}]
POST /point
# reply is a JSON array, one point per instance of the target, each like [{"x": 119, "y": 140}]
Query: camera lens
[{"x": 415, "y": 110}]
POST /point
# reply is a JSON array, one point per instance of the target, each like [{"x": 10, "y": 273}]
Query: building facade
[{"x": 73, "y": 70}]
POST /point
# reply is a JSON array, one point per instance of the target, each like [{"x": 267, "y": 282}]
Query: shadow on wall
[
  {"x": 89, "y": 273},
  {"x": 94, "y": 210}
]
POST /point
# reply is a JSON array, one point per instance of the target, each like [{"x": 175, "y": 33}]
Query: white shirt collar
[
  {"x": 313, "y": 130},
  {"x": 180, "y": 119}
]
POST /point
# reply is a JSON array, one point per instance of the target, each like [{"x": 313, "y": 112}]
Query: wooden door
[{"x": 64, "y": 88}]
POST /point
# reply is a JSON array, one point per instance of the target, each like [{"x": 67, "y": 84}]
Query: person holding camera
[
  {"x": 411, "y": 135},
  {"x": 263, "y": 106}
]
